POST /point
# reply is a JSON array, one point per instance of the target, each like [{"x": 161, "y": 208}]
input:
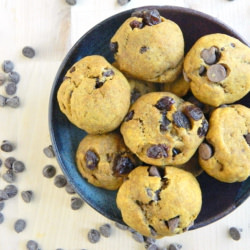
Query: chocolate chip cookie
[
  {"x": 225, "y": 155},
  {"x": 149, "y": 47},
  {"x": 218, "y": 67},
  {"x": 104, "y": 160},
  {"x": 94, "y": 95},
  {"x": 162, "y": 129},
  {"x": 159, "y": 202}
]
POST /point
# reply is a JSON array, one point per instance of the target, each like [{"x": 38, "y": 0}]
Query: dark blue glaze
[{"x": 219, "y": 198}]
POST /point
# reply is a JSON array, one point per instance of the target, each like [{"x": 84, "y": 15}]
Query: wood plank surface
[{"x": 52, "y": 27}]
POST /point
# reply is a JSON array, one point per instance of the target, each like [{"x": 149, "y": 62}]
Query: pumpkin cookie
[
  {"x": 218, "y": 67},
  {"x": 94, "y": 95},
  {"x": 159, "y": 202},
  {"x": 162, "y": 129},
  {"x": 226, "y": 153}
]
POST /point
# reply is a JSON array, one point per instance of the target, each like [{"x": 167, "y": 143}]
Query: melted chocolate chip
[
  {"x": 72, "y": 69},
  {"x": 122, "y": 166},
  {"x": 108, "y": 72},
  {"x": 164, "y": 123},
  {"x": 203, "y": 129},
  {"x": 165, "y": 103},
  {"x": 113, "y": 47},
  {"x": 216, "y": 73},
  {"x": 129, "y": 116},
  {"x": 193, "y": 112},
  {"x": 181, "y": 120},
  {"x": 143, "y": 49},
  {"x": 157, "y": 151},
  {"x": 136, "y": 24},
  {"x": 91, "y": 159},
  {"x": 175, "y": 151}
]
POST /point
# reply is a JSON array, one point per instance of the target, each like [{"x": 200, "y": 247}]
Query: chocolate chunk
[
  {"x": 113, "y": 47},
  {"x": 94, "y": 236},
  {"x": 135, "y": 94},
  {"x": 8, "y": 163},
  {"x": 91, "y": 159},
  {"x": 210, "y": 56},
  {"x": 143, "y": 49},
  {"x": 153, "y": 171},
  {"x": 129, "y": 116},
  {"x": 203, "y": 129},
  {"x": 49, "y": 171},
  {"x": 136, "y": 24},
  {"x": 11, "y": 191},
  {"x": 105, "y": 230},
  {"x": 175, "y": 151},
  {"x": 10, "y": 88},
  {"x": 13, "y": 102},
  {"x": 108, "y": 72},
  {"x": 247, "y": 138},
  {"x": 164, "y": 123},
  {"x": 157, "y": 151},
  {"x": 122, "y": 166},
  {"x": 205, "y": 151},
  {"x": 18, "y": 166},
  {"x": 165, "y": 103},
  {"x": 9, "y": 176},
  {"x": 193, "y": 112},
  {"x": 181, "y": 120},
  {"x": 173, "y": 223},
  {"x": 60, "y": 181},
  {"x": 49, "y": 151},
  {"x": 235, "y": 233},
  {"x": 216, "y": 73},
  {"x": 150, "y": 17},
  {"x": 137, "y": 237},
  {"x": 28, "y": 52},
  {"x": 202, "y": 70},
  {"x": 73, "y": 69},
  {"x": 99, "y": 83},
  {"x": 19, "y": 225}
]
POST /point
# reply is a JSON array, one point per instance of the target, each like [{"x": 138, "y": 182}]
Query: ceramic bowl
[{"x": 219, "y": 198}]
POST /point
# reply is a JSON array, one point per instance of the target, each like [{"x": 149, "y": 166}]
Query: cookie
[
  {"x": 218, "y": 67},
  {"x": 149, "y": 47},
  {"x": 104, "y": 160},
  {"x": 159, "y": 202},
  {"x": 94, "y": 95},
  {"x": 162, "y": 129},
  {"x": 226, "y": 153}
]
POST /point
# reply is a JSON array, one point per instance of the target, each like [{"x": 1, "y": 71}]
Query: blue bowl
[{"x": 219, "y": 198}]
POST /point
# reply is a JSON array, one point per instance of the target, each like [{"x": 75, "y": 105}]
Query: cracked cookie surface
[
  {"x": 152, "y": 52},
  {"x": 225, "y": 155},
  {"x": 159, "y": 202},
  {"x": 162, "y": 129},
  {"x": 218, "y": 67},
  {"x": 104, "y": 160},
  {"x": 94, "y": 95}
]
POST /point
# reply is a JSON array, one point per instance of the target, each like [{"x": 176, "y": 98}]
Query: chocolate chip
[
  {"x": 1, "y": 218},
  {"x": 138, "y": 237},
  {"x": 164, "y": 123},
  {"x": 216, "y": 73},
  {"x": 150, "y": 17},
  {"x": 91, "y": 159},
  {"x": 9, "y": 162},
  {"x": 2, "y": 205},
  {"x": 235, "y": 233},
  {"x": 3, "y": 195},
  {"x": 193, "y": 112},
  {"x": 60, "y": 181},
  {"x": 181, "y": 120},
  {"x": 173, "y": 223},
  {"x": 165, "y": 103},
  {"x": 152, "y": 247},
  {"x": 27, "y": 196},
  {"x": 76, "y": 203},
  {"x": 202, "y": 70},
  {"x": 9, "y": 176},
  {"x": 7, "y": 146},
  {"x": 113, "y": 47},
  {"x": 122, "y": 166},
  {"x": 105, "y": 230},
  {"x": 233, "y": 45},
  {"x": 14, "y": 77},
  {"x": 205, "y": 151},
  {"x": 13, "y": 102},
  {"x": 154, "y": 171},
  {"x": 18, "y": 166},
  {"x": 121, "y": 226},
  {"x": 143, "y": 49},
  {"x": 98, "y": 83},
  {"x": 11, "y": 191},
  {"x": 123, "y": 2},
  {"x": 49, "y": 171},
  {"x": 28, "y": 52},
  {"x": 247, "y": 138},
  {"x": 94, "y": 236},
  {"x": 175, "y": 151},
  {"x": 2, "y": 101},
  {"x": 1, "y": 162},
  {"x": 136, "y": 24},
  {"x": 49, "y": 151},
  {"x": 7, "y": 66},
  {"x": 69, "y": 189},
  {"x": 203, "y": 129},
  {"x": 174, "y": 246},
  {"x": 152, "y": 230},
  {"x": 19, "y": 225},
  {"x": 2, "y": 78},
  {"x": 157, "y": 151},
  {"x": 210, "y": 56},
  {"x": 32, "y": 245},
  {"x": 185, "y": 77},
  {"x": 129, "y": 116},
  {"x": 72, "y": 69},
  {"x": 71, "y": 2},
  {"x": 108, "y": 72}
]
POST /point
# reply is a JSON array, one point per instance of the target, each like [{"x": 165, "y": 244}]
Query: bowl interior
[{"x": 218, "y": 198}]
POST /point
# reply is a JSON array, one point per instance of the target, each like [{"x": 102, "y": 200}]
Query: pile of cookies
[{"x": 155, "y": 115}]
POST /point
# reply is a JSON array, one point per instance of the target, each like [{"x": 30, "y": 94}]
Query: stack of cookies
[{"x": 154, "y": 116}]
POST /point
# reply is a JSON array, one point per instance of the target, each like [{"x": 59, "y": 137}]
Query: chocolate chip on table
[
  {"x": 138, "y": 237},
  {"x": 122, "y": 165},
  {"x": 2, "y": 78},
  {"x": 2, "y": 101},
  {"x": 210, "y": 56},
  {"x": 8, "y": 163},
  {"x": 27, "y": 196},
  {"x": 28, "y": 52},
  {"x": 113, "y": 46},
  {"x": 7, "y": 146},
  {"x": 152, "y": 247},
  {"x": 216, "y": 73},
  {"x": 173, "y": 223},
  {"x": 69, "y": 189},
  {"x": 9, "y": 176},
  {"x": 1, "y": 218},
  {"x": 3, "y": 195},
  {"x": 14, "y": 77},
  {"x": 49, "y": 151},
  {"x": 121, "y": 226},
  {"x": 76, "y": 203},
  {"x": 11, "y": 191},
  {"x": 7, "y": 66},
  {"x": 136, "y": 24},
  {"x": 71, "y": 2},
  {"x": 165, "y": 103},
  {"x": 143, "y": 49},
  {"x": 157, "y": 151},
  {"x": 193, "y": 112},
  {"x": 18, "y": 166},
  {"x": 181, "y": 120},
  {"x": 60, "y": 181},
  {"x": 49, "y": 171},
  {"x": 94, "y": 236},
  {"x": 2, "y": 205},
  {"x": 174, "y": 246},
  {"x": 105, "y": 230},
  {"x": 203, "y": 129},
  {"x": 32, "y": 245},
  {"x": 19, "y": 225},
  {"x": 205, "y": 151},
  {"x": 129, "y": 116},
  {"x": 13, "y": 102},
  {"x": 235, "y": 233},
  {"x": 247, "y": 138},
  {"x": 10, "y": 88},
  {"x": 123, "y": 2},
  {"x": 91, "y": 159},
  {"x": 149, "y": 240}
]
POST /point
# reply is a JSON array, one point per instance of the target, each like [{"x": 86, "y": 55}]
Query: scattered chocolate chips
[
  {"x": 71, "y": 2},
  {"x": 152, "y": 230},
  {"x": 165, "y": 103},
  {"x": 175, "y": 151},
  {"x": 138, "y": 237},
  {"x": 3, "y": 195},
  {"x": 108, "y": 72},
  {"x": 2, "y": 205},
  {"x": 235, "y": 233},
  {"x": 113, "y": 47},
  {"x": 174, "y": 246},
  {"x": 69, "y": 189},
  {"x": 7, "y": 66},
  {"x": 13, "y": 102},
  {"x": 18, "y": 166},
  {"x": 157, "y": 151},
  {"x": 122, "y": 166},
  {"x": 32, "y": 245},
  {"x": 2, "y": 101},
  {"x": 2, "y": 78},
  {"x": 9, "y": 176},
  {"x": 202, "y": 70},
  {"x": 181, "y": 120},
  {"x": 94, "y": 236},
  {"x": 123, "y": 2},
  {"x": 205, "y": 151},
  {"x": 99, "y": 83},
  {"x": 1, "y": 218},
  {"x": 27, "y": 196},
  {"x": 60, "y": 181},
  {"x": 149, "y": 17},
  {"x": 7, "y": 146},
  {"x": 193, "y": 112},
  {"x": 91, "y": 159},
  {"x": 129, "y": 116},
  {"x": 105, "y": 230},
  {"x": 152, "y": 247},
  {"x": 28, "y": 52},
  {"x": 247, "y": 138},
  {"x": 164, "y": 123},
  {"x": 173, "y": 223},
  {"x": 143, "y": 49},
  {"x": 203, "y": 129},
  {"x": 211, "y": 55},
  {"x": 121, "y": 226},
  {"x": 49, "y": 151},
  {"x": 49, "y": 171},
  {"x": 216, "y": 73},
  {"x": 14, "y": 77},
  {"x": 11, "y": 191},
  {"x": 9, "y": 162},
  {"x": 76, "y": 203},
  {"x": 136, "y": 24},
  {"x": 153, "y": 171},
  {"x": 19, "y": 225}
]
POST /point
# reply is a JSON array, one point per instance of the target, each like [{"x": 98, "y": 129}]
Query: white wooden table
[{"x": 52, "y": 27}]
